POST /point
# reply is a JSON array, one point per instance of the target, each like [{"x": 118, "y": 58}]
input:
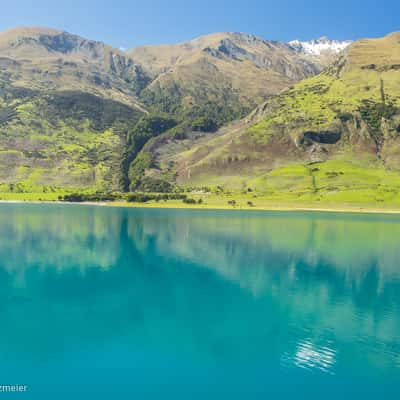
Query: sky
[{"x": 127, "y": 23}]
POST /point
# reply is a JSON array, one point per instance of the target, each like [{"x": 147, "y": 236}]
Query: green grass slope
[
  {"x": 333, "y": 137},
  {"x": 66, "y": 106},
  {"x": 70, "y": 106},
  {"x": 61, "y": 140}
]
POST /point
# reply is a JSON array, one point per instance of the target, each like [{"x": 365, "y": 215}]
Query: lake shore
[{"x": 272, "y": 206}]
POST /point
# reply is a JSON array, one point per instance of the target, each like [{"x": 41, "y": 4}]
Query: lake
[{"x": 119, "y": 303}]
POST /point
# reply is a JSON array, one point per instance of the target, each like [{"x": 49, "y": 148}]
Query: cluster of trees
[
  {"x": 204, "y": 124},
  {"x": 135, "y": 162},
  {"x": 372, "y": 113},
  {"x": 137, "y": 159},
  {"x": 192, "y": 201},
  {"x": 206, "y": 115},
  {"x": 83, "y": 197},
  {"x": 135, "y": 197},
  {"x": 145, "y": 197},
  {"x": 24, "y": 187},
  {"x": 211, "y": 115},
  {"x": 168, "y": 116},
  {"x": 77, "y": 106}
]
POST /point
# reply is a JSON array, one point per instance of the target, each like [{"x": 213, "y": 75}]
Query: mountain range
[
  {"x": 235, "y": 71},
  {"x": 332, "y": 135},
  {"x": 229, "y": 109}
]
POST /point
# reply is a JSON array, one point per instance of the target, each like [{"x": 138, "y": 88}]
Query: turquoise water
[{"x": 107, "y": 303}]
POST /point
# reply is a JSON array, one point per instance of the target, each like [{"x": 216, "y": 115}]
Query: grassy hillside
[
  {"x": 66, "y": 106},
  {"x": 70, "y": 107},
  {"x": 78, "y": 115},
  {"x": 59, "y": 140},
  {"x": 332, "y": 137}
]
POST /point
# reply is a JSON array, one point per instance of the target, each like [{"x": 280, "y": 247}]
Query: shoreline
[{"x": 277, "y": 208}]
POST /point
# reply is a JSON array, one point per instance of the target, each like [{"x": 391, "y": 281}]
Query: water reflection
[
  {"x": 57, "y": 238},
  {"x": 312, "y": 292},
  {"x": 312, "y": 357}
]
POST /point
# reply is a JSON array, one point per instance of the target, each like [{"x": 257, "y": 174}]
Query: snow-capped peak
[{"x": 319, "y": 46}]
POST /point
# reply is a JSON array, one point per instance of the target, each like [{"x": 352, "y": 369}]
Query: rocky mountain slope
[
  {"x": 319, "y": 46},
  {"x": 223, "y": 75},
  {"x": 322, "y": 51},
  {"x": 66, "y": 105},
  {"x": 70, "y": 107},
  {"x": 335, "y": 133},
  {"x": 48, "y": 59}
]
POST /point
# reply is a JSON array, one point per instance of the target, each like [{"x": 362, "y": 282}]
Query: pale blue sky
[{"x": 125, "y": 23}]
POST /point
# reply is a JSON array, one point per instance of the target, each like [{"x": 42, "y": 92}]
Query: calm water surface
[{"x": 103, "y": 303}]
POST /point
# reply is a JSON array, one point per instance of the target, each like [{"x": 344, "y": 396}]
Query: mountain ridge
[
  {"x": 68, "y": 106},
  {"x": 43, "y": 57},
  {"x": 318, "y": 46},
  {"x": 77, "y": 113},
  {"x": 345, "y": 121},
  {"x": 233, "y": 70}
]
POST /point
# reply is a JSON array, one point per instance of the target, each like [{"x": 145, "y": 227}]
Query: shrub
[
  {"x": 204, "y": 124},
  {"x": 154, "y": 185},
  {"x": 82, "y": 197},
  {"x": 178, "y": 132},
  {"x": 189, "y": 201},
  {"x": 145, "y": 197}
]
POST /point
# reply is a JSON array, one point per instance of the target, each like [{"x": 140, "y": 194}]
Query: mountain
[
  {"x": 322, "y": 51},
  {"x": 320, "y": 46},
  {"x": 48, "y": 59},
  {"x": 75, "y": 113},
  {"x": 222, "y": 75},
  {"x": 66, "y": 105},
  {"x": 331, "y": 137}
]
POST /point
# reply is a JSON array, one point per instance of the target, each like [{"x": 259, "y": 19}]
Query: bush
[
  {"x": 139, "y": 198},
  {"x": 145, "y": 197},
  {"x": 154, "y": 185},
  {"x": 345, "y": 116},
  {"x": 372, "y": 113},
  {"x": 204, "y": 124},
  {"x": 82, "y": 197},
  {"x": 189, "y": 201},
  {"x": 178, "y": 132}
]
